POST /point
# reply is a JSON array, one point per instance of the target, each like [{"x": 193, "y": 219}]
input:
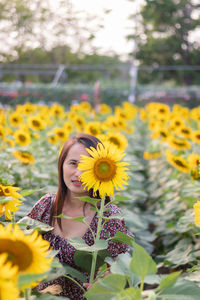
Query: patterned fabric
[{"x": 41, "y": 212}]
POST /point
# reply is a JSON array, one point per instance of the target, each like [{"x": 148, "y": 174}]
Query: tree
[
  {"x": 164, "y": 36},
  {"x": 27, "y": 24}
]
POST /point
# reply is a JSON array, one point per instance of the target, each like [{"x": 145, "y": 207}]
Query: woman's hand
[{"x": 88, "y": 285}]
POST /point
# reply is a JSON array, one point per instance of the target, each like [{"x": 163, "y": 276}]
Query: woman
[{"x": 66, "y": 201}]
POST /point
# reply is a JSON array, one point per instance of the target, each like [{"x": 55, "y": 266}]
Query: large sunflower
[
  {"x": 15, "y": 119},
  {"x": 24, "y": 157},
  {"x": 8, "y": 276},
  {"x": 27, "y": 252},
  {"x": 9, "y": 200},
  {"x": 103, "y": 170}
]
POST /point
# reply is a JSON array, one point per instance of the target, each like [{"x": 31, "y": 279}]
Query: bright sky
[{"x": 112, "y": 38}]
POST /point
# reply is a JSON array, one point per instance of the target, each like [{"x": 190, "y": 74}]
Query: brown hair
[{"x": 88, "y": 141}]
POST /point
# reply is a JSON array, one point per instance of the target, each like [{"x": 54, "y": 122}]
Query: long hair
[{"x": 88, "y": 141}]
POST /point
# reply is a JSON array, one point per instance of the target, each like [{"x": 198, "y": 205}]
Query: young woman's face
[{"x": 71, "y": 173}]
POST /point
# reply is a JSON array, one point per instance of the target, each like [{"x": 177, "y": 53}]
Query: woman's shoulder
[{"x": 42, "y": 206}]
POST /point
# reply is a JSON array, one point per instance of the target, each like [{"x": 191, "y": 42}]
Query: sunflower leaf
[
  {"x": 88, "y": 199},
  {"x": 25, "y": 193},
  {"x": 79, "y": 244},
  {"x": 27, "y": 279},
  {"x": 121, "y": 237},
  {"x": 79, "y": 219},
  {"x": 4, "y": 200},
  {"x": 28, "y": 225}
]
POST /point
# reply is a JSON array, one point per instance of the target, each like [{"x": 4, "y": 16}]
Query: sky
[{"x": 112, "y": 38}]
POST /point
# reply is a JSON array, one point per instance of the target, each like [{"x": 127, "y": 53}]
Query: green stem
[
  {"x": 94, "y": 256},
  {"x": 76, "y": 282},
  {"x": 142, "y": 284},
  {"x": 27, "y": 294}
]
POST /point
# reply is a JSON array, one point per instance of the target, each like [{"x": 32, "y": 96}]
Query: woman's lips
[{"x": 76, "y": 182}]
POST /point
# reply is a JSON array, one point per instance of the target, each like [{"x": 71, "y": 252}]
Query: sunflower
[
  {"x": 184, "y": 131},
  {"x": 27, "y": 252},
  {"x": 22, "y": 137},
  {"x": 197, "y": 213},
  {"x": 57, "y": 111},
  {"x": 35, "y": 123},
  {"x": 93, "y": 128},
  {"x": 9, "y": 200},
  {"x": 8, "y": 278},
  {"x": 195, "y": 136},
  {"x": 148, "y": 155},
  {"x": 61, "y": 133},
  {"x": 176, "y": 122},
  {"x": 177, "y": 143},
  {"x": 79, "y": 122},
  {"x": 194, "y": 160},
  {"x": 105, "y": 109},
  {"x": 24, "y": 157},
  {"x": 103, "y": 170},
  {"x": 15, "y": 119},
  {"x": 52, "y": 138},
  {"x": 117, "y": 139},
  {"x": 143, "y": 115},
  {"x": 177, "y": 161},
  {"x": 2, "y": 132}
]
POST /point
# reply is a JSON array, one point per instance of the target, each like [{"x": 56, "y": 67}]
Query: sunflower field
[{"x": 160, "y": 201}]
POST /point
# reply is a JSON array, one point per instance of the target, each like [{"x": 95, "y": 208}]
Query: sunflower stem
[
  {"x": 27, "y": 294},
  {"x": 99, "y": 227}
]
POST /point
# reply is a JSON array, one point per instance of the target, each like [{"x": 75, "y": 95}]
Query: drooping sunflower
[
  {"x": 9, "y": 198},
  {"x": 197, "y": 213},
  {"x": 151, "y": 155},
  {"x": 8, "y": 278},
  {"x": 118, "y": 140},
  {"x": 177, "y": 143},
  {"x": 22, "y": 137},
  {"x": 24, "y": 157},
  {"x": 103, "y": 170},
  {"x": 177, "y": 161},
  {"x": 27, "y": 252}
]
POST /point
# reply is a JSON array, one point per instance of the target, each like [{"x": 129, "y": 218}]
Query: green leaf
[
  {"x": 119, "y": 198},
  {"x": 83, "y": 259},
  {"x": 109, "y": 287},
  {"x": 25, "y": 193},
  {"x": 121, "y": 237},
  {"x": 25, "y": 279},
  {"x": 141, "y": 263},
  {"x": 28, "y": 225},
  {"x": 182, "y": 290},
  {"x": 168, "y": 281},
  {"x": 75, "y": 273},
  {"x": 4, "y": 200},
  {"x": 92, "y": 201},
  {"x": 79, "y": 244},
  {"x": 79, "y": 219}
]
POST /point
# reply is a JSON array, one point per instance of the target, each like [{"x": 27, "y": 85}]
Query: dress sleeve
[
  {"x": 41, "y": 209},
  {"x": 113, "y": 226}
]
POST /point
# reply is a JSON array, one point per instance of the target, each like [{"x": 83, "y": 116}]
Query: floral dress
[{"x": 41, "y": 212}]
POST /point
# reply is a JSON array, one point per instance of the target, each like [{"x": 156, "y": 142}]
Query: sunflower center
[
  {"x": 114, "y": 141},
  {"x": 36, "y": 123},
  {"x": 18, "y": 253},
  {"x": 179, "y": 163},
  {"x": 105, "y": 169},
  {"x": 22, "y": 137}
]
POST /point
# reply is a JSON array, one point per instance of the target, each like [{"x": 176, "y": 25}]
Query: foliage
[{"x": 164, "y": 36}]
